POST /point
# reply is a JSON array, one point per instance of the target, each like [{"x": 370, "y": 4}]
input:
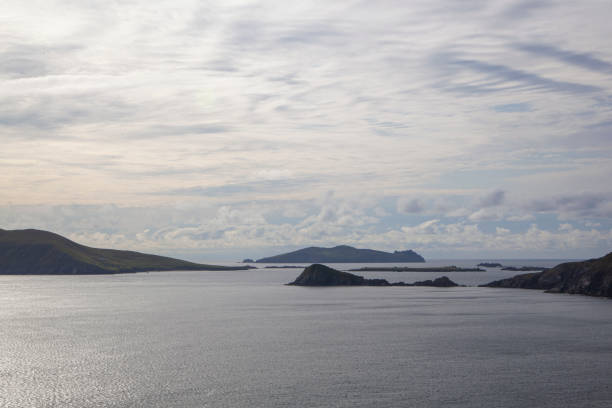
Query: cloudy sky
[{"x": 217, "y": 130}]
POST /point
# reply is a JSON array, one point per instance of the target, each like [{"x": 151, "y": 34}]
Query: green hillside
[{"x": 33, "y": 251}]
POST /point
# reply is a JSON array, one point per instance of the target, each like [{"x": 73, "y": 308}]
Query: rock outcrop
[
  {"x": 321, "y": 275},
  {"x": 592, "y": 277},
  {"x": 443, "y": 282}
]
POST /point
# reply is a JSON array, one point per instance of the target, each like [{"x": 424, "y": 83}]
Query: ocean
[{"x": 244, "y": 339}]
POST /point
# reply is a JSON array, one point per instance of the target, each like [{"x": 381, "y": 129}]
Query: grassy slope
[{"x": 35, "y": 251}]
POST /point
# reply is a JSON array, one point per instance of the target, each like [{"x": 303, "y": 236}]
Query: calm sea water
[{"x": 243, "y": 339}]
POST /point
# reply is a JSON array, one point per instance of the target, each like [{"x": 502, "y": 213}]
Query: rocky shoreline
[{"x": 592, "y": 277}]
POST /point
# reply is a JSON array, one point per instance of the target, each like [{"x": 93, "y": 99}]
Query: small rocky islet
[
  {"x": 490, "y": 264},
  {"x": 451, "y": 268},
  {"x": 321, "y": 275},
  {"x": 512, "y": 268},
  {"x": 524, "y": 268}
]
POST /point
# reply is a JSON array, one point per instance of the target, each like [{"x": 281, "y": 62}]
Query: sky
[{"x": 220, "y": 130}]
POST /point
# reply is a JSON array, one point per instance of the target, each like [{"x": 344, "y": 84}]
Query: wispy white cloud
[
  {"x": 257, "y": 229},
  {"x": 479, "y": 111}
]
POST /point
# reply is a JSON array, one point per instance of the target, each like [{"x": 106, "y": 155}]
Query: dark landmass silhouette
[
  {"x": 523, "y": 268},
  {"x": 410, "y": 269},
  {"x": 283, "y": 267},
  {"x": 321, "y": 275},
  {"x": 592, "y": 277},
  {"x": 343, "y": 254},
  {"x": 36, "y": 252}
]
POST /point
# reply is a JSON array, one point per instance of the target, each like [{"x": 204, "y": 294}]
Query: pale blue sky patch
[{"x": 513, "y": 107}]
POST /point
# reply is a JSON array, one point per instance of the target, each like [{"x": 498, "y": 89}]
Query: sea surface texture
[{"x": 243, "y": 339}]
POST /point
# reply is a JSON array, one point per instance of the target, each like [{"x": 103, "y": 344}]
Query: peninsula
[
  {"x": 592, "y": 277},
  {"x": 343, "y": 254},
  {"x": 36, "y": 252},
  {"x": 321, "y": 275}
]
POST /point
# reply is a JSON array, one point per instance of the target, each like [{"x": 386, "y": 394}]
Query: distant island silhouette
[
  {"x": 490, "y": 264},
  {"x": 343, "y": 254},
  {"x": 37, "y": 252},
  {"x": 512, "y": 268}
]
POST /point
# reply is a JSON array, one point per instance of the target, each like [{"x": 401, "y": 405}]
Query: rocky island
[
  {"x": 451, "y": 268},
  {"x": 283, "y": 267},
  {"x": 523, "y": 268},
  {"x": 321, "y": 275},
  {"x": 592, "y": 277},
  {"x": 36, "y": 252},
  {"x": 343, "y": 254},
  {"x": 512, "y": 268}
]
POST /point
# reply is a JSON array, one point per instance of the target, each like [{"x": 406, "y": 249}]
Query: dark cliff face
[
  {"x": 343, "y": 254},
  {"x": 321, "y": 275},
  {"x": 592, "y": 277}
]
